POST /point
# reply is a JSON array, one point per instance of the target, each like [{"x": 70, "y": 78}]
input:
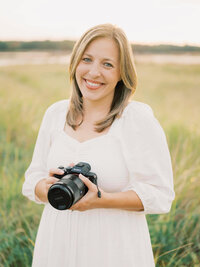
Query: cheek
[
  {"x": 77, "y": 73},
  {"x": 80, "y": 70},
  {"x": 114, "y": 78},
  {"x": 114, "y": 75},
  {"x": 118, "y": 75}
]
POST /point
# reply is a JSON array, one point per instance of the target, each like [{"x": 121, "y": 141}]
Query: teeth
[{"x": 93, "y": 84}]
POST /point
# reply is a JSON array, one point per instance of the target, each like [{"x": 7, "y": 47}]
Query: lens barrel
[{"x": 63, "y": 194}]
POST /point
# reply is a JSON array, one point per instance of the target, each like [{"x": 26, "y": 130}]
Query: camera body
[{"x": 70, "y": 188}]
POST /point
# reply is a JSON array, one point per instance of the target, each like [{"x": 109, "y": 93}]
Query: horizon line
[{"x": 131, "y": 42}]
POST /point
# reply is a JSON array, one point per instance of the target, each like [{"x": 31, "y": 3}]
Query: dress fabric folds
[{"x": 132, "y": 155}]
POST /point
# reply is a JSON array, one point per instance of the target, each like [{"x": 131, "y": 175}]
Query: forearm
[{"x": 128, "y": 200}]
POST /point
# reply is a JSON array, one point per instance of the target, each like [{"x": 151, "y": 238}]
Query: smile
[{"x": 93, "y": 84}]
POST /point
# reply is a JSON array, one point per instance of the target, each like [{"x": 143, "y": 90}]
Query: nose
[{"x": 94, "y": 70}]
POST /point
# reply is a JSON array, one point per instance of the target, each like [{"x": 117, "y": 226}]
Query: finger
[
  {"x": 76, "y": 207},
  {"x": 87, "y": 182},
  {"x": 71, "y": 164},
  {"x": 73, "y": 207},
  {"x": 51, "y": 180},
  {"x": 48, "y": 186},
  {"x": 55, "y": 171}
]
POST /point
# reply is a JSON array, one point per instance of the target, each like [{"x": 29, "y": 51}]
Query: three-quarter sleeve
[
  {"x": 148, "y": 159},
  {"x": 37, "y": 169}
]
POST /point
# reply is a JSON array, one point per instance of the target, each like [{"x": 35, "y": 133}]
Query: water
[
  {"x": 55, "y": 57},
  {"x": 32, "y": 57}
]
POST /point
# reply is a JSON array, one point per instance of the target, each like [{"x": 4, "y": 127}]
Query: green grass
[{"x": 173, "y": 93}]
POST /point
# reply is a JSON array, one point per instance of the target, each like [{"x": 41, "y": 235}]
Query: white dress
[{"x": 133, "y": 155}]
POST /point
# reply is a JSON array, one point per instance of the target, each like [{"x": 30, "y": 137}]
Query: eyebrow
[{"x": 107, "y": 59}]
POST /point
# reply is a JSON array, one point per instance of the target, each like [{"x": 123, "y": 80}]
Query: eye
[
  {"x": 109, "y": 65},
  {"x": 86, "y": 59}
]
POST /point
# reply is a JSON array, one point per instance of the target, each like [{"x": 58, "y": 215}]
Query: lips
[{"x": 93, "y": 85}]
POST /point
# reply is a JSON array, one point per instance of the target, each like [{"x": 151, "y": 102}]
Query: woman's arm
[
  {"x": 128, "y": 200},
  {"x": 42, "y": 187},
  {"x": 147, "y": 157},
  {"x": 37, "y": 172}
]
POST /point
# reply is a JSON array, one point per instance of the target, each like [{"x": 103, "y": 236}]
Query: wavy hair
[{"x": 124, "y": 88}]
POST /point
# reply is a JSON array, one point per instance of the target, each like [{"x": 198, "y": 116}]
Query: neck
[{"x": 95, "y": 110}]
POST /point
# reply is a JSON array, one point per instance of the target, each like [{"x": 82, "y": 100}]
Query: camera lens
[
  {"x": 63, "y": 194},
  {"x": 60, "y": 197}
]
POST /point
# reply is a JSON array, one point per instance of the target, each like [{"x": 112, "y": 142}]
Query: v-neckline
[
  {"x": 86, "y": 141},
  {"x": 94, "y": 138},
  {"x": 90, "y": 139}
]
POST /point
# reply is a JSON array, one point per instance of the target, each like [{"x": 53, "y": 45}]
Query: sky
[{"x": 144, "y": 21}]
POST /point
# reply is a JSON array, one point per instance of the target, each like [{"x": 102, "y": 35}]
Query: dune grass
[{"x": 173, "y": 93}]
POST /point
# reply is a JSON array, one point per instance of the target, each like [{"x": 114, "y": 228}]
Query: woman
[{"x": 125, "y": 146}]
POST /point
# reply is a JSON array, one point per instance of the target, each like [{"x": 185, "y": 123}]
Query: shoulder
[
  {"x": 138, "y": 117},
  {"x": 55, "y": 113},
  {"x": 137, "y": 109},
  {"x": 57, "y": 107}
]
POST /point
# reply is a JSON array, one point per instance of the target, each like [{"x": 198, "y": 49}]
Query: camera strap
[{"x": 99, "y": 192}]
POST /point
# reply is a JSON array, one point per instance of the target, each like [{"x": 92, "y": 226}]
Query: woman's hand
[
  {"x": 90, "y": 200},
  {"x": 42, "y": 187}
]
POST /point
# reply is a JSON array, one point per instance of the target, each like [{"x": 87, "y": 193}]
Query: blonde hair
[{"x": 124, "y": 88}]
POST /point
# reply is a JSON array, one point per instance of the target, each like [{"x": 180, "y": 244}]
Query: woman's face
[{"x": 98, "y": 71}]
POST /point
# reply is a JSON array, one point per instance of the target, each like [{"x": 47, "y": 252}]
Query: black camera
[{"x": 66, "y": 192}]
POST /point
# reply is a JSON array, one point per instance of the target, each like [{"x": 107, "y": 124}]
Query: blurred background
[{"x": 36, "y": 39}]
